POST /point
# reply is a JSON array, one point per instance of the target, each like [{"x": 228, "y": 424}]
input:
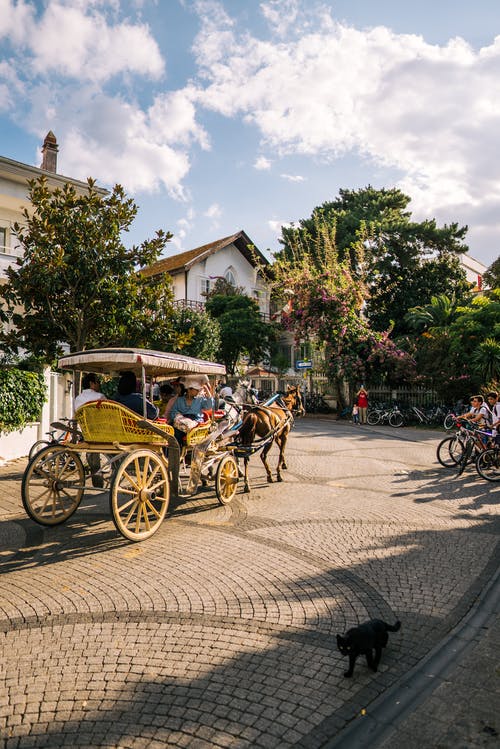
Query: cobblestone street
[{"x": 220, "y": 629}]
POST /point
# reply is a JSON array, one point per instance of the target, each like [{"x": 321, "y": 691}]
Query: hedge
[{"x": 22, "y": 395}]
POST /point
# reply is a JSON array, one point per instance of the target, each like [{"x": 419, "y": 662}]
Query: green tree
[
  {"x": 439, "y": 314},
  {"x": 77, "y": 284},
  {"x": 198, "y": 333},
  {"x": 242, "y": 329},
  {"x": 459, "y": 355},
  {"x": 402, "y": 263},
  {"x": 491, "y": 277},
  {"x": 486, "y": 360}
]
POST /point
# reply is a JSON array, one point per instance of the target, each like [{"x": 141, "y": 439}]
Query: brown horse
[{"x": 270, "y": 424}]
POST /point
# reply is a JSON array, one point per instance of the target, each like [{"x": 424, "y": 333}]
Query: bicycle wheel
[
  {"x": 374, "y": 417},
  {"x": 36, "y": 447},
  {"x": 449, "y": 451},
  {"x": 396, "y": 419},
  {"x": 449, "y": 421},
  {"x": 466, "y": 456},
  {"x": 488, "y": 464}
]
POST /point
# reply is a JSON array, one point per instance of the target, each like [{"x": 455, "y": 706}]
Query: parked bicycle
[
  {"x": 391, "y": 415},
  {"x": 63, "y": 432},
  {"x": 315, "y": 403},
  {"x": 419, "y": 416}
]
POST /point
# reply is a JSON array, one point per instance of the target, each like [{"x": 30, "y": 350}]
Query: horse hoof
[
  {"x": 246, "y": 490},
  {"x": 278, "y": 478},
  {"x": 269, "y": 480}
]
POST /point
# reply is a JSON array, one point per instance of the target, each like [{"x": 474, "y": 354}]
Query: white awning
[{"x": 155, "y": 363}]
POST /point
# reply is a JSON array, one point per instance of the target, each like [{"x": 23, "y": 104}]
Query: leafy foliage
[
  {"x": 77, "y": 284},
  {"x": 242, "y": 331},
  {"x": 401, "y": 262},
  {"x": 491, "y": 277},
  {"x": 460, "y": 354},
  {"x": 22, "y": 395},
  {"x": 325, "y": 304},
  {"x": 199, "y": 333}
]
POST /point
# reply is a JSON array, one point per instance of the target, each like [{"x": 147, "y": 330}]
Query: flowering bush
[{"x": 325, "y": 304}]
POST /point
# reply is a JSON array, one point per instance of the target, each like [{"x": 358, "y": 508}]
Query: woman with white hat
[{"x": 187, "y": 410}]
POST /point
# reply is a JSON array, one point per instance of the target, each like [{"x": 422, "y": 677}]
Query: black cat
[{"x": 363, "y": 640}]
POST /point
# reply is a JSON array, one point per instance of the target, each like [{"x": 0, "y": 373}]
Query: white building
[
  {"x": 234, "y": 258},
  {"x": 474, "y": 271},
  {"x": 14, "y": 177}
]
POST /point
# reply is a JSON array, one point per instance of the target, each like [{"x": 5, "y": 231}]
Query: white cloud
[
  {"x": 262, "y": 164},
  {"x": 280, "y": 14},
  {"x": 130, "y": 154},
  {"x": 275, "y": 226},
  {"x": 293, "y": 177},
  {"x": 16, "y": 19},
  {"x": 214, "y": 212},
  {"x": 172, "y": 118},
  {"x": 426, "y": 110},
  {"x": 79, "y": 42}
]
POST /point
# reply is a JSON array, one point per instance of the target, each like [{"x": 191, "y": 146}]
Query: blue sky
[{"x": 220, "y": 115}]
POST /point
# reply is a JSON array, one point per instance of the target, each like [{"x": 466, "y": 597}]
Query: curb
[{"x": 389, "y": 710}]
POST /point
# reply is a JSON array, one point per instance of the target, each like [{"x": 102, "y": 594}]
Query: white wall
[{"x": 217, "y": 265}]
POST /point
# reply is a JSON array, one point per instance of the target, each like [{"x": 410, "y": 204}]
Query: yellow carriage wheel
[
  {"x": 53, "y": 485},
  {"x": 139, "y": 494},
  {"x": 226, "y": 479}
]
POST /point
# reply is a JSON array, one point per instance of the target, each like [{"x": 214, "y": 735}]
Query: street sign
[{"x": 303, "y": 364}]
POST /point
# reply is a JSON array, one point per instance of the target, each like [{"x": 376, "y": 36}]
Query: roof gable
[{"x": 183, "y": 261}]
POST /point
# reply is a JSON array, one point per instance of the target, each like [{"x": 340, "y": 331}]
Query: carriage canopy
[{"x": 153, "y": 363}]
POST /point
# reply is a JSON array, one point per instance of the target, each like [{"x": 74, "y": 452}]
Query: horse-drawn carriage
[{"x": 141, "y": 461}]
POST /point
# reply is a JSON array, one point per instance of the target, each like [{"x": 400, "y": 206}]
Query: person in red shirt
[{"x": 362, "y": 403}]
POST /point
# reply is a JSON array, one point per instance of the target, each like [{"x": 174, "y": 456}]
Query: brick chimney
[{"x": 49, "y": 153}]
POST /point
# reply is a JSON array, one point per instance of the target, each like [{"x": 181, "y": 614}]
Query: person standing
[
  {"x": 494, "y": 405},
  {"x": 355, "y": 414},
  {"x": 362, "y": 404}
]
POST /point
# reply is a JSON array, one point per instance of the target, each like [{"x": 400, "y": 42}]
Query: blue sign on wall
[{"x": 303, "y": 364}]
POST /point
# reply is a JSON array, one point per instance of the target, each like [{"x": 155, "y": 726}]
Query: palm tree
[
  {"x": 486, "y": 360},
  {"x": 438, "y": 315}
]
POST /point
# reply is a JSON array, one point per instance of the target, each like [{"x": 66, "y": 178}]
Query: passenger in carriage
[
  {"x": 177, "y": 388},
  {"x": 127, "y": 395},
  {"x": 91, "y": 391},
  {"x": 187, "y": 411}
]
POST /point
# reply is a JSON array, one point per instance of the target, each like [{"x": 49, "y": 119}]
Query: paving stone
[{"x": 220, "y": 630}]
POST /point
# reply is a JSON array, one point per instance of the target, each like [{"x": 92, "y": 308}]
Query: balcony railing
[{"x": 193, "y": 304}]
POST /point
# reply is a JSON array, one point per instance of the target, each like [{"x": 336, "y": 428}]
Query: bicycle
[
  {"x": 452, "y": 416},
  {"x": 488, "y": 464},
  {"x": 465, "y": 446},
  {"x": 420, "y": 416},
  {"x": 62, "y": 432},
  {"x": 391, "y": 416}
]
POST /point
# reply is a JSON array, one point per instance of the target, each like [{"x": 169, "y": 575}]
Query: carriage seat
[
  {"x": 108, "y": 421},
  {"x": 218, "y": 414}
]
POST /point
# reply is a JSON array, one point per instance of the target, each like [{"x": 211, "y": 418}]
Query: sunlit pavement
[{"x": 220, "y": 629}]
